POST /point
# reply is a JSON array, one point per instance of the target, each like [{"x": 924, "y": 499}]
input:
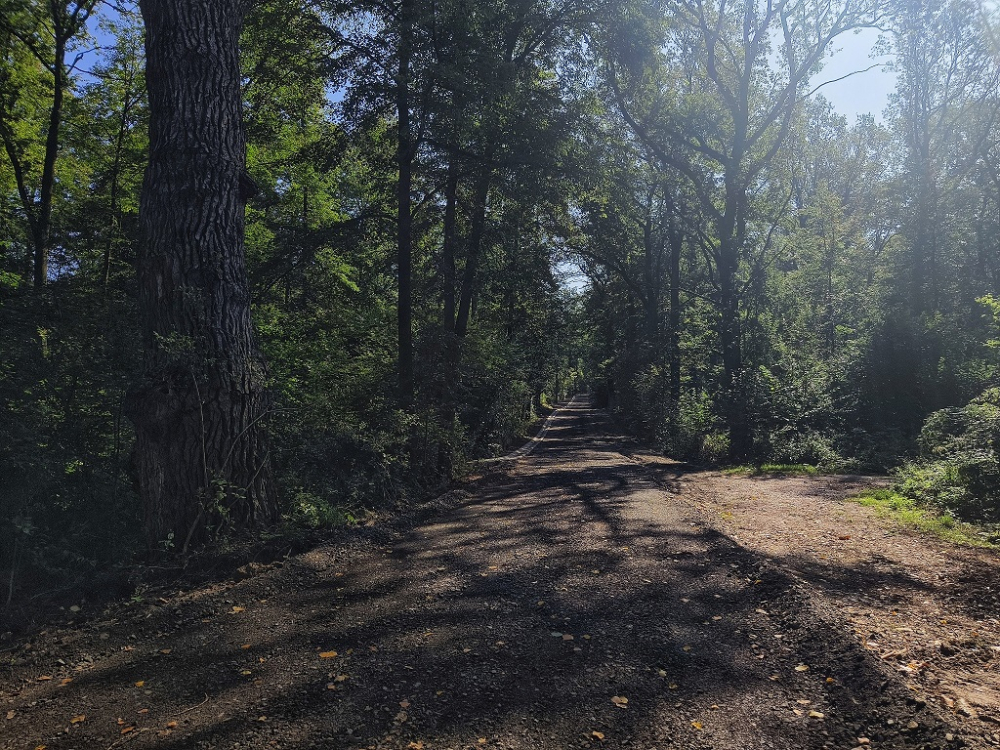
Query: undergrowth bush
[
  {"x": 959, "y": 467},
  {"x": 67, "y": 506}
]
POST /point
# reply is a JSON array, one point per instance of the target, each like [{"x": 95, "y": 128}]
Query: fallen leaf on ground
[
  {"x": 143, "y": 711},
  {"x": 10, "y": 715},
  {"x": 619, "y": 701},
  {"x": 404, "y": 703},
  {"x": 245, "y": 646},
  {"x": 126, "y": 730},
  {"x": 78, "y": 719},
  {"x": 237, "y": 610},
  {"x": 44, "y": 678},
  {"x": 171, "y": 725},
  {"x": 696, "y": 725},
  {"x": 140, "y": 683},
  {"x": 802, "y": 668},
  {"x": 415, "y": 746},
  {"x": 165, "y": 651},
  {"x": 65, "y": 681},
  {"x": 597, "y": 735},
  {"x": 816, "y": 715},
  {"x": 567, "y": 637},
  {"x": 327, "y": 654},
  {"x": 803, "y": 702}
]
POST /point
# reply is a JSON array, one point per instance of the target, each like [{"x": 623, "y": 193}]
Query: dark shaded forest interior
[{"x": 270, "y": 269}]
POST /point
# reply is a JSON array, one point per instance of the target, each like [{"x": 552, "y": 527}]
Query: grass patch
[
  {"x": 786, "y": 470},
  {"x": 908, "y": 513}
]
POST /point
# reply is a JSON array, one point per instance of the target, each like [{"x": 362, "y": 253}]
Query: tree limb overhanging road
[{"x": 590, "y": 594}]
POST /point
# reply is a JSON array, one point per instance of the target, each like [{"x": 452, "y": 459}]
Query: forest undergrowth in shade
[{"x": 429, "y": 222}]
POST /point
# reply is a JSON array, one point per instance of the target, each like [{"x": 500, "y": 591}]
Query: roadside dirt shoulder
[{"x": 929, "y": 610}]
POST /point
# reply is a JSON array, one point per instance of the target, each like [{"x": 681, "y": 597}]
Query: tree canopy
[{"x": 377, "y": 241}]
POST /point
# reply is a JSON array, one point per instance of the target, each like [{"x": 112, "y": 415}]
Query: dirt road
[{"x": 587, "y": 595}]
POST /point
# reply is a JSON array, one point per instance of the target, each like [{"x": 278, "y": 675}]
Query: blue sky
[{"x": 865, "y": 93}]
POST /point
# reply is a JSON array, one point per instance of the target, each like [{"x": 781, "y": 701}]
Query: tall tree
[
  {"x": 714, "y": 96},
  {"x": 405, "y": 152},
  {"x": 45, "y": 32},
  {"x": 201, "y": 455}
]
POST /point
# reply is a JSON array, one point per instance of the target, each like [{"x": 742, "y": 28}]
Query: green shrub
[
  {"x": 693, "y": 433},
  {"x": 959, "y": 467}
]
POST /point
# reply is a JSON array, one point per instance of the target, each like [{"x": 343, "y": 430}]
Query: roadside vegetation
[
  {"x": 909, "y": 513},
  {"x": 433, "y": 220}
]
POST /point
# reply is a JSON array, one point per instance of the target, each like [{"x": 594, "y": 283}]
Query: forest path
[{"x": 587, "y": 595}]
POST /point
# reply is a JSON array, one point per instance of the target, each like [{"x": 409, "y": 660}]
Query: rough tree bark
[
  {"x": 475, "y": 244},
  {"x": 404, "y": 217},
  {"x": 201, "y": 456},
  {"x": 676, "y": 238}
]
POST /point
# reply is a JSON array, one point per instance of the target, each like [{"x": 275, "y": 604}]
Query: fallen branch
[{"x": 189, "y": 710}]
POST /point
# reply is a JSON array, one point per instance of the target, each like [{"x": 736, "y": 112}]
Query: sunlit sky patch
[{"x": 863, "y": 93}]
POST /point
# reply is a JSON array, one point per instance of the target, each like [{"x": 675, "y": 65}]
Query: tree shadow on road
[{"x": 523, "y": 618}]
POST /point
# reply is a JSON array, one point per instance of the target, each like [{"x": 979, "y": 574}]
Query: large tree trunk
[
  {"x": 201, "y": 457},
  {"x": 450, "y": 344},
  {"x": 404, "y": 217},
  {"x": 730, "y": 337},
  {"x": 448, "y": 273},
  {"x": 676, "y": 239},
  {"x": 475, "y": 245},
  {"x": 44, "y": 233},
  {"x": 651, "y": 284}
]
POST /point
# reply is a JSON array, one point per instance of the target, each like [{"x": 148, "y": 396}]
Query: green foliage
[
  {"x": 959, "y": 468},
  {"x": 831, "y": 288},
  {"x": 694, "y": 432},
  {"x": 67, "y": 505}
]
